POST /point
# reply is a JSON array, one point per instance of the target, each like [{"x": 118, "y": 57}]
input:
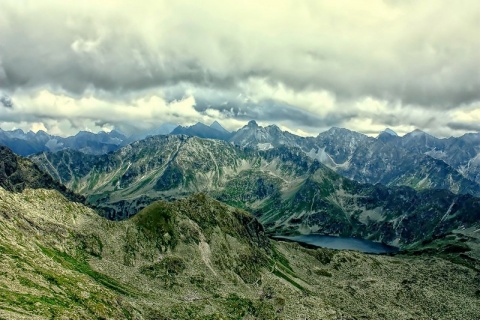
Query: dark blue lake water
[{"x": 340, "y": 243}]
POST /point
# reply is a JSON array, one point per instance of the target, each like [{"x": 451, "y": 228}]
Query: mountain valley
[
  {"x": 239, "y": 160},
  {"x": 288, "y": 191},
  {"x": 179, "y": 243}
]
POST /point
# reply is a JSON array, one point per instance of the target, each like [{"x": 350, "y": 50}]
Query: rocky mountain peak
[
  {"x": 387, "y": 135},
  {"x": 217, "y": 126},
  {"x": 202, "y": 131},
  {"x": 274, "y": 127},
  {"x": 335, "y": 131},
  {"x": 390, "y": 132},
  {"x": 416, "y": 133}
]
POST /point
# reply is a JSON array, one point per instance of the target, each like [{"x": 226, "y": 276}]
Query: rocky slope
[
  {"x": 461, "y": 153},
  {"x": 287, "y": 190},
  {"x": 397, "y": 216},
  {"x": 199, "y": 259},
  {"x": 17, "y": 174},
  {"x": 257, "y": 137},
  {"x": 417, "y": 160},
  {"x": 161, "y": 167},
  {"x": 368, "y": 160}
]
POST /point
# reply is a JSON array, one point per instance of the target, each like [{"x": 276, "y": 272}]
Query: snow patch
[
  {"x": 264, "y": 146},
  {"x": 322, "y": 156},
  {"x": 373, "y": 215}
]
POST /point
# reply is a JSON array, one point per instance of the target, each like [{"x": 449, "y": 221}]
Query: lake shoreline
[{"x": 380, "y": 248}]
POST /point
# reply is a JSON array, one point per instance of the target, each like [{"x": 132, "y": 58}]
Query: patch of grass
[
  {"x": 323, "y": 273},
  {"x": 458, "y": 247},
  {"x": 250, "y": 266},
  {"x": 141, "y": 185},
  {"x": 178, "y": 311},
  {"x": 91, "y": 244},
  {"x": 33, "y": 303},
  {"x": 8, "y": 251},
  {"x": 282, "y": 275},
  {"x": 449, "y": 247},
  {"x": 463, "y": 260},
  {"x": 83, "y": 267},
  {"x": 189, "y": 234},
  {"x": 93, "y": 180},
  {"x": 281, "y": 259},
  {"x": 249, "y": 186},
  {"x": 198, "y": 281},
  {"x": 155, "y": 221},
  {"x": 324, "y": 256},
  {"x": 238, "y": 308},
  {"x": 30, "y": 284},
  {"x": 14, "y": 311},
  {"x": 167, "y": 270},
  {"x": 98, "y": 197}
]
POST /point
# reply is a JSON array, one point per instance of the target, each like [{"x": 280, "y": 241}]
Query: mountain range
[
  {"x": 197, "y": 258},
  {"x": 368, "y": 160},
  {"x": 29, "y": 143},
  {"x": 287, "y": 190},
  {"x": 462, "y": 153},
  {"x": 417, "y": 160}
]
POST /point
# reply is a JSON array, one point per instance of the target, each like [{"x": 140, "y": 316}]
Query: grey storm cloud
[
  {"x": 273, "y": 111},
  {"x": 421, "y": 55},
  {"x": 6, "y": 102},
  {"x": 267, "y": 110},
  {"x": 391, "y": 50},
  {"x": 392, "y": 120},
  {"x": 464, "y": 126}
]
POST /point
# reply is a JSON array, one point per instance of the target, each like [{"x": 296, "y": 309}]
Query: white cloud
[
  {"x": 45, "y": 108},
  {"x": 37, "y": 126}
]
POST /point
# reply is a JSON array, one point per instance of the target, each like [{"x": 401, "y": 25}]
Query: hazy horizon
[{"x": 261, "y": 124}]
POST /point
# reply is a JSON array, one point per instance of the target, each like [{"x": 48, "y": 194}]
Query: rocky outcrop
[{"x": 17, "y": 174}]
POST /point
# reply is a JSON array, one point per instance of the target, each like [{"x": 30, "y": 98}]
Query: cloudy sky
[{"x": 306, "y": 66}]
